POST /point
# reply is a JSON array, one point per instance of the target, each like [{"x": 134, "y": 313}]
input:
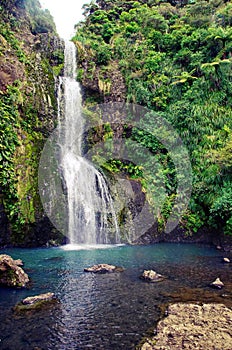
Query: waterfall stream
[{"x": 91, "y": 215}]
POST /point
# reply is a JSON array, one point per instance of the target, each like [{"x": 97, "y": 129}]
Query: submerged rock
[
  {"x": 193, "y": 326},
  {"x": 152, "y": 276},
  {"x": 36, "y": 302},
  {"x": 104, "y": 268},
  {"x": 217, "y": 284},
  {"x": 11, "y": 274}
]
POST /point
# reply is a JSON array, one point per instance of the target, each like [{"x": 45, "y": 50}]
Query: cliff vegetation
[
  {"x": 175, "y": 58},
  {"x": 31, "y": 55}
]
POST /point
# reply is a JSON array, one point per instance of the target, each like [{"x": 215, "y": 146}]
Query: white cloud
[{"x": 66, "y": 14}]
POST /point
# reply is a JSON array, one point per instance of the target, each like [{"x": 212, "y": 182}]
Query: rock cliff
[{"x": 31, "y": 58}]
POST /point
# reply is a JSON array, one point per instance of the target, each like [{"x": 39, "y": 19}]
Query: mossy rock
[{"x": 37, "y": 302}]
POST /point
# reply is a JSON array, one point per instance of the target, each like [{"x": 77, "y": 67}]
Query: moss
[
  {"x": 57, "y": 69},
  {"x": 20, "y": 308}
]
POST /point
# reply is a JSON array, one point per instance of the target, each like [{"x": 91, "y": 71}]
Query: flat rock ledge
[
  {"x": 151, "y": 276},
  {"x": 36, "y": 302},
  {"x": 11, "y": 274},
  {"x": 193, "y": 327},
  {"x": 104, "y": 268}
]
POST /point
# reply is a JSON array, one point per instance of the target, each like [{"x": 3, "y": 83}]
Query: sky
[{"x": 66, "y": 14}]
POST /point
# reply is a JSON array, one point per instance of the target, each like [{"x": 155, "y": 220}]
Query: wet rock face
[
  {"x": 108, "y": 84},
  {"x": 11, "y": 274},
  {"x": 30, "y": 62},
  {"x": 103, "y": 268},
  {"x": 193, "y": 326}
]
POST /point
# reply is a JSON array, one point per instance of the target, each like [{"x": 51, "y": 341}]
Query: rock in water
[
  {"x": 217, "y": 284},
  {"x": 226, "y": 260},
  {"x": 36, "y": 302},
  {"x": 38, "y": 298},
  {"x": 18, "y": 262},
  {"x": 11, "y": 274},
  {"x": 103, "y": 268},
  {"x": 152, "y": 276}
]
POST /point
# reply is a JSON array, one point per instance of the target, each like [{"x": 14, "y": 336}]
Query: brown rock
[
  {"x": 38, "y": 298},
  {"x": 217, "y": 284},
  {"x": 11, "y": 275},
  {"x": 37, "y": 302},
  {"x": 193, "y": 327},
  {"x": 152, "y": 276},
  {"x": 104, "y": 268},
  {"x": 18, "y": 262}
]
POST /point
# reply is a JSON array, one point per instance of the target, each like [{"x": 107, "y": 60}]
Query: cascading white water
[{"x": 90, "y": 205}]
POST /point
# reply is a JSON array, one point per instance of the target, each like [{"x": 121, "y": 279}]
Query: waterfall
[{"x": 89, "y": 204}]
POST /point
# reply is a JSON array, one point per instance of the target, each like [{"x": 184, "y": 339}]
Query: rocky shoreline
[
  {"x": 193, "y": 326},
  {"x": 152, "y": 236},
  {"x": 179, "y": 235}
]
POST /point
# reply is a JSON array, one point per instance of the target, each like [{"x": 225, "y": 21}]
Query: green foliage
[
  {"x": 22, "y": 104},
  {"x": 126, "y": 168},
  {"x": 14, "y": 43},
  {"x": 8, "y": 136},
  {"x": 103, "y": 54},
  {"x": 221, "y": 210},
  {"x": 41, "y": 20},
  {"x": 228, "y": 227},
  {"x": 192, "y": 221},
  {"x": 176, "y": 59},
  {"x": 8, "y": 144}
]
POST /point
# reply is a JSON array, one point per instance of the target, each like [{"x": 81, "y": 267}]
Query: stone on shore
[
  {"x": 103, "y": 268},
  {"x": 151, "y": 276},
  {"x": 11, "y": 274},
  {"x": 193, "y": 327},
  {"x": 218, "y": 284}
]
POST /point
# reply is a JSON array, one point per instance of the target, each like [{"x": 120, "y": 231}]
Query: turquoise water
[{"x": 109, "y": 311}]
